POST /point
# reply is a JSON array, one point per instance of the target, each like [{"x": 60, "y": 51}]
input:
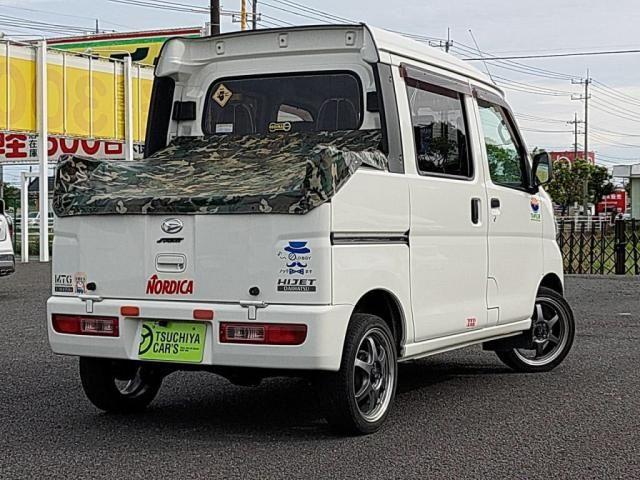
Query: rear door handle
[
  {"x": 171, "y": 263},
  {"x": 475, "y": 211},
  {"x": 495, "y": 203}
]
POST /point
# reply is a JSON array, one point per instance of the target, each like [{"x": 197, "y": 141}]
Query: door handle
[
  {"x": 171, "y": 263},
  {"x": 495, "y": 203},
  {"x": 475, "y": 211}
]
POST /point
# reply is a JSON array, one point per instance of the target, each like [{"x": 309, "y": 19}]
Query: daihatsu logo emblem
[{"x": 172, "y": 225}]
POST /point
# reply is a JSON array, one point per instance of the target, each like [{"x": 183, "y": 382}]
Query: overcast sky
[{"x": 501, "y": 27}]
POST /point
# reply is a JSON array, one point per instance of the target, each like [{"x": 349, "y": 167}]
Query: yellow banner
[{"x": 85, "y": 95}]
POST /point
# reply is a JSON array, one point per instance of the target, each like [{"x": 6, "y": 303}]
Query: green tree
[
  {"x": 600, "y": 183},
  {"x": 11, "y": 194},
  {"x": 567, "y": 185}
]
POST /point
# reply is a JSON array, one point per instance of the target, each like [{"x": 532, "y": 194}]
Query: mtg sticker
[
  {"x": 63, "y": 283},
  {"x": 222, "y": 95},
  {"x": 296, "y": 274}
]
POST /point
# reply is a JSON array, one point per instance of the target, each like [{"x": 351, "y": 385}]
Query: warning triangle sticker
[{"x": 222, "y": 95}]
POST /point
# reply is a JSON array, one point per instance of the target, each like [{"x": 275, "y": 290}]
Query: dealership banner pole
[
  {"x": 24, "y": 216},
  {"x": 43, "y": 148},
  {"x": 128, "y": 108}
]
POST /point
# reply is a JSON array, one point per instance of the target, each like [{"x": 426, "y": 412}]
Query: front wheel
[
  {"x": 549, "y": 339},
  {"x": 119, "y": 386},
  {"x": 359, "y": 396}
]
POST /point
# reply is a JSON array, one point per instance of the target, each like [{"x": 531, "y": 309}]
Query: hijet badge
[
  {"x": 536, "y": 216},
  {"x": 296, "y": 272}
]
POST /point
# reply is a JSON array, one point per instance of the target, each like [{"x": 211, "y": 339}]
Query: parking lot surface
[{"x": 457, "y": 415}]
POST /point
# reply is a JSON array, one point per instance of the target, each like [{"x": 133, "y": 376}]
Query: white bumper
[{"x": 322, "y": 349}]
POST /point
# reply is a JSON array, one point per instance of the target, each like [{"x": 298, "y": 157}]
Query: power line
[
  {"x": 621, "y": 94},
  {"x": 329, "y": 16},
  {"x": 537, "y": 130},
  {"x": 309, "y": 15},
  {"x": 49, "y": 12},
  {"x": 557, "y": 55}
]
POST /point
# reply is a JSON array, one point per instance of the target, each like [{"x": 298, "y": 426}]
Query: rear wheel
[
  {"x": 119, "y": 386},
  {"x": 550, "y": 338},
  {"x": 359, "y": 396}
]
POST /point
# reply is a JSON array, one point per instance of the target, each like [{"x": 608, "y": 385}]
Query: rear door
[
  {"x": 514, "y": 213},
  {"x": 448, "y": 235}
]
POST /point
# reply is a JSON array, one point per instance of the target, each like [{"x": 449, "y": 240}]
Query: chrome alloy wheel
[
  {"x": 549, "y": 330},
  {"x": 374, "y": 375}
]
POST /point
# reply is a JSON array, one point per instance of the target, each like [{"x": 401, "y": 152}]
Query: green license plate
[{"x": 172, "y": 341}]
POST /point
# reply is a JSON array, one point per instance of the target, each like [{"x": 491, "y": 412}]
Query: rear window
[{"x": 284, "y": 103}]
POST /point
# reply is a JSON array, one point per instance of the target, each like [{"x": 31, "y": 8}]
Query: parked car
[
  {"x": 34, "y": 219},
  {"x": 7, "y": 258},
  {"x": 319, "y": 201}
]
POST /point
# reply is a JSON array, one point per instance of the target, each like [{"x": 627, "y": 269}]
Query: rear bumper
[
  {"x": 7, "y": 264},
  {"x": 322, "y": 349}
]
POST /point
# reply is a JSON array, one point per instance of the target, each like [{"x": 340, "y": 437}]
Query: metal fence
[{"x": 600, "y": 247}]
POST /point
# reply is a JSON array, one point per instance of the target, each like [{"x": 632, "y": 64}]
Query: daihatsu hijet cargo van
[{"x": 323, "y": 201}]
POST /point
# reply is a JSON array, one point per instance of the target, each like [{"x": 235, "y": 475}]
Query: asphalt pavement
[{"x": 457, "y": 415}]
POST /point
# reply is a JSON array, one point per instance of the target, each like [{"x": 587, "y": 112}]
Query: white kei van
[
  {"x": 323, "y": 201},
  {"x": 7, "y": 258}
]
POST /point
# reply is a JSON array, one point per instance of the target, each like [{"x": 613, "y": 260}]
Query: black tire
[
  {"x": 338, "y": 389},
  {"x": 564, "y": 329},
  {"x": 100, "y": 377}
]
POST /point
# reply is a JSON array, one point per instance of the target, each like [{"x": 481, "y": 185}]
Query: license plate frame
[{"x": 171, "y": 341}]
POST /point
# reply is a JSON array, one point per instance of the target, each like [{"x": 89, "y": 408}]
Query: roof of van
[
  {"x": 404, "y": 46},
  {"x": 384, "y": 40}
]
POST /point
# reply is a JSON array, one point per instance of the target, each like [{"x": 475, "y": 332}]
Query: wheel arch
[
  {"x": 552, "y": 281},
  {"x": 385, "y": 304}
]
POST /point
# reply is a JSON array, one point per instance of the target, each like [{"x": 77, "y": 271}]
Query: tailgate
[{"x": 208, "y": 258}]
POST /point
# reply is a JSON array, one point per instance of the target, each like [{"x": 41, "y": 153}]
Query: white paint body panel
[
  {"x": 448, "y": 271},
  {"x": 225, "y": 255}
]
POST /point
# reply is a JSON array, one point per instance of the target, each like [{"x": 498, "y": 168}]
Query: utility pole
[
  {"x": 586, "y": 96},
  {"x": 254, "y": 17},
  {"x": 243, "y": 15},
  {"x": 449, "y": 43},
  {"x": 214, "y": 20},
  {"x": 575, "y": 124}
]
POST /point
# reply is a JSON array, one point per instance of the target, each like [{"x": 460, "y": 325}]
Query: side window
[
  {"x": 440, "y": 130},
  {"x": 507, "y": 163}
]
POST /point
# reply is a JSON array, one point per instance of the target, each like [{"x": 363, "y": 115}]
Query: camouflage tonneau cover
[{"x": 276, "y": 173}]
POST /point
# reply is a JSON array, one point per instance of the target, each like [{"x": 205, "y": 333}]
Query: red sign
[
  {"x": 155, "y": 286},
  {"x": 23, "y": 148},
  {"x": 614, "y": 202},
  {"x": 569, "y": 156}
]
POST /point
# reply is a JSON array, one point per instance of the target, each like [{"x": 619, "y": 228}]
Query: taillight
[
  {"x": 263, "y": 333},
  {"x": 85, "y": 325}
]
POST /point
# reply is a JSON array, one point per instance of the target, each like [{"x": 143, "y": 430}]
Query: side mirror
[
  {"x": 542, "y": 169},
  {"x": 2, "y": 207}
]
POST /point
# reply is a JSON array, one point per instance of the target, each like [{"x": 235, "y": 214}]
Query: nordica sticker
[
  {"x": 80, "y": 283},
  {"x": 63, "y": 283},
  {"x": 157, "y": 286},
  {"x": 535, "y": 209},
  {"x": 296, "y": 274}
]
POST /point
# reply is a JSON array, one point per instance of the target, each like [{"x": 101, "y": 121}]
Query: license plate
[{"x": 172, "y": 341}]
